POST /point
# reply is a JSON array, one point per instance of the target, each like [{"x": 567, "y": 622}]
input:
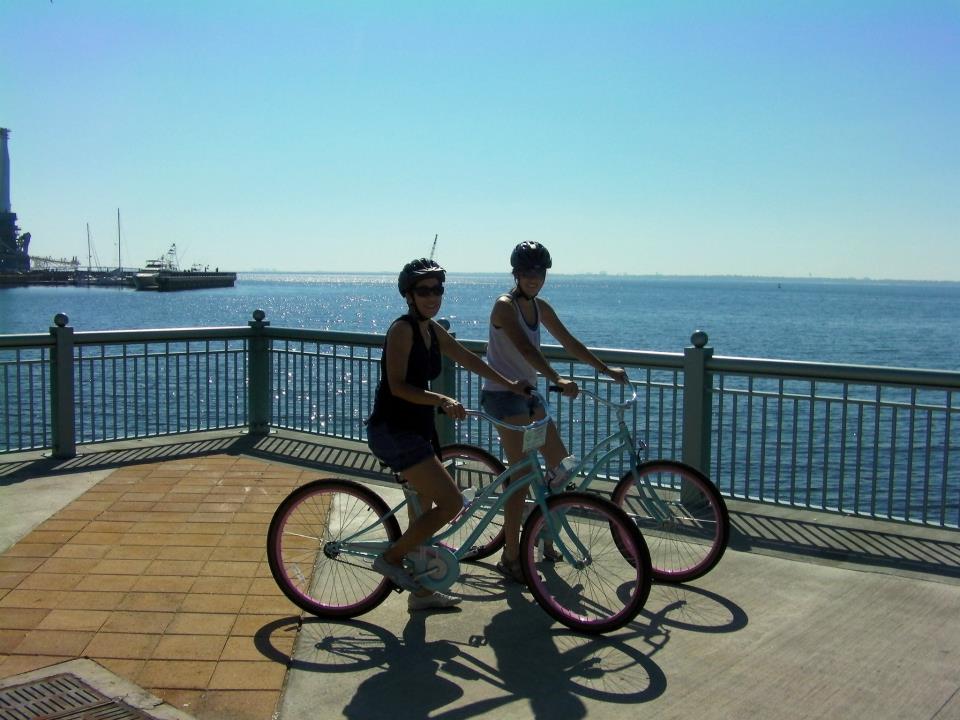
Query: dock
[{"x": 123, "y": 278}]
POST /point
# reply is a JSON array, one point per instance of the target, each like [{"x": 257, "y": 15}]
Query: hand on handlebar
[
  {"x": 619, "y": 375},
  {"x": 521, "y": 387},
  {"x": 568, "y": 388},
  {"x": 451, "y": 407}
]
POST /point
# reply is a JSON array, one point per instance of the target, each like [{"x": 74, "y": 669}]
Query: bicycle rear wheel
[
  {"x": 608, "y": 581},
  {"x": 474, "y": 468},
  {"x": 686, "y": 524},
  {"x": 304, "y": 552}
]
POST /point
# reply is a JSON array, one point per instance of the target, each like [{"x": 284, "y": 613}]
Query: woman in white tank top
[{"x": 514, "y": 351}]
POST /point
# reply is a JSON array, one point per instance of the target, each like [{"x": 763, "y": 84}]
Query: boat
[
  {"x": 164, "y": 274},
  {"x": 146, "y": 277}
]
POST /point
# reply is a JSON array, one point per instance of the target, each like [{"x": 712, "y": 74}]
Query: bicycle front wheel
[
  {"x": 473, "y": 468},
  {"x": 603, "y": 580},
  {"x": 321, "y": 545},
  {"x": 682, "y": 517}
]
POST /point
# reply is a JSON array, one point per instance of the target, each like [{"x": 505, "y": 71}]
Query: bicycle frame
[
  {"x": 617, "y": 444},
  {"x": 531, "y": 475}
]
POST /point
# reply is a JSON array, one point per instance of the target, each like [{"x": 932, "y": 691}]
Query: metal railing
[{"x": 871, "y": 441}]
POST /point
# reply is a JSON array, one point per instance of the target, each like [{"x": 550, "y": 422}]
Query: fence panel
[
  {"x": 870, "y": 441},
  {"x": 877, "y": 449},
  {"x": 24, "y": 398},
  {"x": 150, "y": 388},
  {"x": 322, "y": 387}
]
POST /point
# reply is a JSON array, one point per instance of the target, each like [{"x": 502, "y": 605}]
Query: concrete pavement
[{"x": 761, "y": 637}]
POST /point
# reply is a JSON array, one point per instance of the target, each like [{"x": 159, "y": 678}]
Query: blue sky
[{"x": 749, "y": 138}]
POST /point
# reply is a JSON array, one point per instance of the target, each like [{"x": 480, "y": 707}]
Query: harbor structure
[
  {"x": 14, "y": 246},
  {"x": 164, "y": 274}
]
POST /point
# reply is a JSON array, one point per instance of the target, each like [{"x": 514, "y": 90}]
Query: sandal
[
  {"x": 551, "y": 554},
  {"x": 511, "y": 570}
]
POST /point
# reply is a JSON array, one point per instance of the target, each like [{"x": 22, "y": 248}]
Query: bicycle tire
[
  {"x": 309, "y": 573},
  {"x": 608, "y": 584},
  {"x": 689, "y": 542},
  {"x": 474, "y": 468}
]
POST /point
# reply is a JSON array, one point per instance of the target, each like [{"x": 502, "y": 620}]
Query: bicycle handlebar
[
  {"x": 508, "y": 426},
  {"x": 603, "y": 401},
  {"x": 618, "y": 406}
]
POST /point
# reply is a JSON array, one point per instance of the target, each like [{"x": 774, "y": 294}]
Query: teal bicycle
[
  {"x": 680, "y": 512},
  {"x": 325, "y": 535}
]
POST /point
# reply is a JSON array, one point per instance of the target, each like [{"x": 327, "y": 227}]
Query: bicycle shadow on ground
[
  {"x": 521, "y": 655},
  {"x": 693, "y": 609}
]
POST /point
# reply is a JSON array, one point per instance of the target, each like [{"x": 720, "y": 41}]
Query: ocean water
[{"x": 895, "y": 324}]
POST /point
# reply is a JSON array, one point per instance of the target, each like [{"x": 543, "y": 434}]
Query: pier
[
  {"x": 139, "y": 470},
  {"x": 99, "y": 278},
  {"x": 139, "y": 567}
]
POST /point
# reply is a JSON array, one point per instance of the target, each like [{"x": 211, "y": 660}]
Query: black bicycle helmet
[
  {"x": 417, "y": 270},
  {"x": 530, "y": 255}
]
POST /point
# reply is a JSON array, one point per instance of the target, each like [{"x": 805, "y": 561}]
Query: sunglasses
[
  {"x": 423, "y": 291},
  {"x": 532, "y": 274}
]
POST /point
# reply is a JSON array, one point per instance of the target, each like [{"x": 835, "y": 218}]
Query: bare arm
[
  {"x": 459, "y": 354},
  {"x": 573, "y": 346}
]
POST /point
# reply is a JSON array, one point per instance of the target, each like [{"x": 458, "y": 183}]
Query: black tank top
[{"x": 423, "y": 365}]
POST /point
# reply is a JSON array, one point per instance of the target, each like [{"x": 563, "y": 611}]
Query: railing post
[
  {"x": 697, "y": 403},
  {"x": 446, "y": 383},
  {"x": 63, "y": 427},
  {"x": 258, "y": 390}
]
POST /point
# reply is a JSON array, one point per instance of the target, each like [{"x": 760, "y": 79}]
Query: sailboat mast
[
  {"x": 88, "y": 250},
  {"x": 119, "y": 263}
]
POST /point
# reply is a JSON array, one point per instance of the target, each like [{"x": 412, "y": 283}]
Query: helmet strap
[
  {"x": 518, "y": 291},
  {"x": 414, "y": 310}
]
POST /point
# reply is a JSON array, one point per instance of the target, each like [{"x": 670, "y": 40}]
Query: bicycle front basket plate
[{"x": 534, "y": 438}]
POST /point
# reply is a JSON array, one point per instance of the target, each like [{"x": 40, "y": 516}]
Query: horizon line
[{"x": 654, "y": 276}]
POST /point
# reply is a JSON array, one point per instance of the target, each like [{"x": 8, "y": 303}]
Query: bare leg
[
  {"x": 440, "y": 502},
  {"x": 553, "y": 452}
]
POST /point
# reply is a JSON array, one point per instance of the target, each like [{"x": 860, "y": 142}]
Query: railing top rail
[
  {"x": 835, "y": 371},
  {"x": 336, "y": 337},
  {"x": 97, "y": 337},
  {"x": 608, "y": 355},
  {"x": 22, "y": 341}
]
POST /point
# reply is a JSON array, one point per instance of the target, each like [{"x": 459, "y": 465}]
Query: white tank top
[{"x": 503, "y": 356}]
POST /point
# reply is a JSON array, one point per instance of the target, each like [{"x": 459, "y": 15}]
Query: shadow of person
[
  {"x": 410, "y": 687},
  {"x": 529, "y": 665}
]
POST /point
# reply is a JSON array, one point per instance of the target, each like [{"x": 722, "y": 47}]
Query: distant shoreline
[{"x": 618, "y": 276}]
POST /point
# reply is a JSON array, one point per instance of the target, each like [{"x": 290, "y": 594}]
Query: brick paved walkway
[{"x": 159, "y": 574}]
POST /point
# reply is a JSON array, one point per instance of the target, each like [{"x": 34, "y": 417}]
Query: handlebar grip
[{"x": 554, "y": 389}]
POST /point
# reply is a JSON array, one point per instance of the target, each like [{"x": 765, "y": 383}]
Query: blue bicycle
[
  {"x": 681, "y": 513},
  {"x": 325, "y": 535}
]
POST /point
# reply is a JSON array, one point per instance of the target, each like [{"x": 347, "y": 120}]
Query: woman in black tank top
[{"x": 401, "y": 431}]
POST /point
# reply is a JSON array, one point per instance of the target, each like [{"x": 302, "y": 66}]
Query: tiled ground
[{"x": 159, "y": 574}]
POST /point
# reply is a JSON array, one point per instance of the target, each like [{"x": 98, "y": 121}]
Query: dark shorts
[
  {"x": 399, "y": 449},
  {"x": 503, "y": 404}
]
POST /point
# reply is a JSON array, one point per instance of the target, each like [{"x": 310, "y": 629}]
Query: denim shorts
[
  {"x": 399, "y": 449},
  {"x": 503, "y": 403}
]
